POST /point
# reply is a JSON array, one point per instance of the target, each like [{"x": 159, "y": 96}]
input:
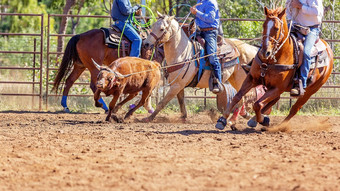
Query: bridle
[
  {"x": 277, "y": 41},
  {"x": 158, "y": 39}
]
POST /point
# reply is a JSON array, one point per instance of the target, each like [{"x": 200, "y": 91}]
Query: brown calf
[{"x": 128, "y": 75}]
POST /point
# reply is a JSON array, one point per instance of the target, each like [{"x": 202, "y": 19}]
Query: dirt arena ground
[{"x": 54, "y": 151}]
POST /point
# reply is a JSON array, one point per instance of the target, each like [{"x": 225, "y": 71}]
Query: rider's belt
[
  {"x": 208, "y": 29},
  {"x": 315, "y": 26}
]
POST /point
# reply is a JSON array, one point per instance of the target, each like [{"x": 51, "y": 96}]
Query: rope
[{"x": 162, "y": 67}]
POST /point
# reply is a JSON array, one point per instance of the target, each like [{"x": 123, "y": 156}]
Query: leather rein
[{"x": 281, "y": 67}]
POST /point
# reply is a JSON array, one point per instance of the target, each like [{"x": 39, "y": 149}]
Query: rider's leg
[
  {"x": 211, "y": 48},
  {"x": 307, "y": 60},
  {"x": 133, "y": 36}
]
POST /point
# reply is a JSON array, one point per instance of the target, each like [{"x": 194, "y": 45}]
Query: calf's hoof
[
  {"x": 265, "y": 121},
  {"x": 108, "y": 118},
  {"x": 117, "y": 119},
  {"x": 97, "y": 104},
  {"x": 146, "y": 120},
  {"x": 233, "y": 127}
]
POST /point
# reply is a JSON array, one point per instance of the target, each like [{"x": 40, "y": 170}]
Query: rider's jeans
[
  {"x": 307, "y": 60},
  {"x": 133, "y": 36},
  {"x": 210, "y": 38}
]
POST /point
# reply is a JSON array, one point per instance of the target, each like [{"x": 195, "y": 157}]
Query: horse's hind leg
[
  {"x": 94, "y": 88},
  {"x": 76, "y": 72},
  {"x": 180, "y": 97},
  {"x": 299, "y": 103},
  {"x": 173, "y": 91}
]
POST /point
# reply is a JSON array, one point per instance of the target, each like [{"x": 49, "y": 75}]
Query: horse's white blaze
[{"x": 270, "y": 25}]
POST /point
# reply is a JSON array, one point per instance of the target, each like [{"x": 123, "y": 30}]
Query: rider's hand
[
  {"x": 138, "y": 12},
  {"x": 296, "y": 4},
  {"x": 193, "y": 10}
]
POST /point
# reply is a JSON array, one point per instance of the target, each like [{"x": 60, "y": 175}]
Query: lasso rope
[{"x": 136, "y": 22}]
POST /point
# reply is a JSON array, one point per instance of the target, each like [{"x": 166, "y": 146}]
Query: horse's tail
[{"x": 70, "y": 56}]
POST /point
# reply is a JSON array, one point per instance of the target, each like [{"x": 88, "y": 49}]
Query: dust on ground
[{"x": 55, "y": 151}]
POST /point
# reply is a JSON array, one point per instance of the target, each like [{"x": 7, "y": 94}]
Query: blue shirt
[
  {"x": 121, "y": 9},
  {"x": 207, "y": 15}
]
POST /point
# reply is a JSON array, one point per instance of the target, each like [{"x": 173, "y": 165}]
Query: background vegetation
[{"x": 232, "y": 29}]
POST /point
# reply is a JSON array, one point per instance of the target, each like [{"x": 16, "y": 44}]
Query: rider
[
  {"x": 121, "y": 13},
  {"x": 207, "y": 19},
  {"x": 307, "y": 13}
]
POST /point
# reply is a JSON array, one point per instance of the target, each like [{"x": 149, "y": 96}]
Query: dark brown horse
[
  {"x": 77, "y": 57},
  {"x": 274, "y": 67}
]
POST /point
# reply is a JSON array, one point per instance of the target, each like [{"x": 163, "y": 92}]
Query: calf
[{"x": 128, "y": 75}]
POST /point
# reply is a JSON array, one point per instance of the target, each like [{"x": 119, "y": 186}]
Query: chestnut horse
[
  {"x": 272, "y": 67},
  {"x": 77, "y": 57}
]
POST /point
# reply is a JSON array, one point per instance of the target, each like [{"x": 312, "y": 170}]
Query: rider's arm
[
  {"x": 313, "y": 7},
  {"x": 288, "y": 10},
  {"x": 210, "y": 15},
  {"x": 125, "y": 8}
]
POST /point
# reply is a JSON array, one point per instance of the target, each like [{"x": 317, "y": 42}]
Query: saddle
[
  {"x": 318, "y": 54},
  {"x": 112, "y": 38}
]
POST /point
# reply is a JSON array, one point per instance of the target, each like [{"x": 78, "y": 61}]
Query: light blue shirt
[{"x": 207, "y": 15}]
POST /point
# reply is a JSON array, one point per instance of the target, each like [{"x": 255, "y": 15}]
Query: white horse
[{"x": 178, "y": 48}]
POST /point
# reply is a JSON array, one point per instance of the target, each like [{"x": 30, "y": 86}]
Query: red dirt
[{"x": 51, "y": 151}]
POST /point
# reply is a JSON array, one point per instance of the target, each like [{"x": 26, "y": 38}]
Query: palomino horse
[
  {"x": 178, "y": 48},
  {"x": 77, "y": 57},
  {"x": 274, "y": 67}
]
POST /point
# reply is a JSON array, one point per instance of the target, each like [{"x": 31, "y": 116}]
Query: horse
[
  {"x": 77, "y": 57},
  {"x": 178, "y": 48},
  {"x": 275, "y": 66}
]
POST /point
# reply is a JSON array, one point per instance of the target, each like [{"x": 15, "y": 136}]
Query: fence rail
[{"x": 34, "y": 53}]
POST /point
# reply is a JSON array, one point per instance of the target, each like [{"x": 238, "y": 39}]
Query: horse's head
[
  {"x": 162, "y": 30},
  {"x": 274, "y": 31}
]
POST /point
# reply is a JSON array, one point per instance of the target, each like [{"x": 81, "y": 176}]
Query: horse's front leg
[
  {"x": 246, "y": 86},
  {"x": 173, "y": 91},
  {"x": 269, "y": 98}
]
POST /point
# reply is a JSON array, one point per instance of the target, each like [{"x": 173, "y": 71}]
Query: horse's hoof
[
  {"x": 67, "y": 110},
  {"x": 265, "y": 121},
  {"x": 117, "y": 119},
  {"x": 221, "y": 123},
  {"x": 151, "y": 111},
  {"x": 252, "y": 123}
]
